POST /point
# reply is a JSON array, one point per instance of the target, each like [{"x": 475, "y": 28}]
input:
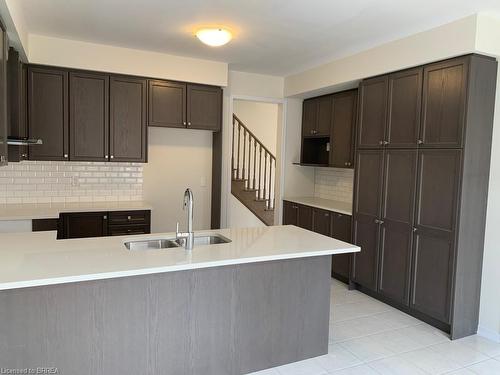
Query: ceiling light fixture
[{"x": 214, "y": 37}]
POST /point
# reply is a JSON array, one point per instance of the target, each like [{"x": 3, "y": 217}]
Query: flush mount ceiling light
[{"x": 214, "y": 37}]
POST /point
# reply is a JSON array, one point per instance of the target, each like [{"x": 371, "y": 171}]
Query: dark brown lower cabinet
[
  {"x": 99, "y": 224},
  {"x": 84, "y": 224},
  {"x": 327, "y": 223},
  {"x": 321, "y": 222},
  {"x": 341, "y": 230}
]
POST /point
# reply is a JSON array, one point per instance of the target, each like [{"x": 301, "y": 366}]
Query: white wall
[
  {"x": 299, "y": 181},
  {"x": 178, "y": 158},
  {"x": 242, "y": 217},
  {"x": 92, "y": 56},
  {"x": 453, "y": 39},
  {"x": 261, "y": 118}
]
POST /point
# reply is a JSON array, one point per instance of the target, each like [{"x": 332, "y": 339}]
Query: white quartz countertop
[
  {"x": 325, "y": 204},
  {"x": 30, "y": 211},
  {"x": 37, "y": 258}
]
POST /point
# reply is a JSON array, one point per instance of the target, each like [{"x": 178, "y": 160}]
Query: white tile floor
[{"x": 368, "y": 337}]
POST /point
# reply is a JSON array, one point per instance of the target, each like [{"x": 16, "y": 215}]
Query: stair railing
[{"x": 252, "y": 162}]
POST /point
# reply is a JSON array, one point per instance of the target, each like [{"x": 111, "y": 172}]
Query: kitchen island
[{"x": 90, "y": 306}]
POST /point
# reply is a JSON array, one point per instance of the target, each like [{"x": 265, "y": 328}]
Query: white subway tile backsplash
[
  {"x": 334, "y": 183},
  {"x": 59, "y": 181}
]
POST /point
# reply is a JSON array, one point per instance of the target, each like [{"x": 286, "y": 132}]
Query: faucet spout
[{"x": 187, "y": 237}]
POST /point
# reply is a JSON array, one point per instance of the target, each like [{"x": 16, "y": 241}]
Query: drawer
[
  {"x": 129, "y": 217},
  {"x": 124, "y": 230}
]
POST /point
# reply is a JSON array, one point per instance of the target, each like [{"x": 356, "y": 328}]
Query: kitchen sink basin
[
  {"x": 151, "y": 244},
  {"x": 166, "y": 243}
]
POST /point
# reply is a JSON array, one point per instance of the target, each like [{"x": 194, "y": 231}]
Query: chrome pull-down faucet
[{"x": 189, "y": 235}]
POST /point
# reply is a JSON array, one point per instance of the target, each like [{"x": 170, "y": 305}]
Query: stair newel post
[
  {"x": 260, "y": 170},
  {"x": 265, "y": 175},
  {"x": 238, "y": 158},
  {"x": 244, "y": 152},
  {"x": 254, "y": 161},
  {"x": 233, "y": 175}
]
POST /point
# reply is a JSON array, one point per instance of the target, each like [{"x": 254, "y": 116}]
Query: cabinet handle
[
  {"x": 380, "y": 143},
  {"x": 414, "y": 230},
  {"x": 112, "y": 157},
  {"x": 129, "y": 218},
  {"x": 105, "y": 217},
  {"x": 189, "y": 123},
  {"x": 66, "y": 156},
  {"x": 379, "y": 221},
  {"x": 105, "y": 156},
  {"x": 420, "y": 142},
  {"x": 347, "y": 163},
  {"x": 327, "y": 214},
  {"x": 295, "y": 207},
  {"x": 24, "y": 155},
  {"x": 386, "y": 142},
  {"x": 184, "y": 123}
]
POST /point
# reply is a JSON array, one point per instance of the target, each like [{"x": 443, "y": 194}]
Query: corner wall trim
[{"x": 488, "y": 334}]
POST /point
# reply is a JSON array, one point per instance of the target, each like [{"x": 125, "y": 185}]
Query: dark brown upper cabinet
[
  {"x": 404, "y": 107},
  {"x": 366, "y": 216},
  {"x": 181, "y": 105},
  {"x": 444, "y": 103},
  {"x": 322, "y": 221},
  {"x": 16, "y": 102},
  {"x": 48, "y": 113},
  {"x": 317, "y": 116},
  {"x": 88, "y": 116},
  {"x": 372, "y": 112},
  {"x": 167, "y": 104},
  {"x": 398, "y": 200},
  {"x": 342, "y": 129},
  {"x": 204, "y": 107},
  {"x": 4, "y": 47},
  {"x": 127, "y": 119}
]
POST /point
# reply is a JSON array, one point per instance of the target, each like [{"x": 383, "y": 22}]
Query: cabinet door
[
  {"x": 88, "y": 117},
  {"x": 372, "y": 112},
  {"x": 444, "y": 100},
  {"x": 16, "y": 102},
  {"x": 167, "y": 104},
  {"x": 128, "y": 128},
  {"x": 48, "y": 113},
  {"x": 3, "y": 95},
  {"x": 305, "y": 217},
  {"x": 400, "y": 171},
  {"x": 439, "y": 174},
  {"x": 85, "y": 224},
  {"x": 341, "y": 230},
  {"x": 204, "y": 107},
  {"x": 321, "y": 221},
  {"x": 309, "y": 116},
  {"x": 342, "y": 130},
  {"x": 366, "y": 225},
  {"x": 290, "y": 213},
  {"x": 404, "y": 106},
  {"x": 324, "y": 123}
]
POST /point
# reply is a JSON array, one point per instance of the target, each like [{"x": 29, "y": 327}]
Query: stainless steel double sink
[{"x": 166, "y": 243}]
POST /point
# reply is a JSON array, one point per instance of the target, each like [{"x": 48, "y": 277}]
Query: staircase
[{"x": 254, "y": 170}]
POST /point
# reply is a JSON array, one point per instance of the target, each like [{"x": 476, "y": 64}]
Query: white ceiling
[{"x": 272, "y": 36}]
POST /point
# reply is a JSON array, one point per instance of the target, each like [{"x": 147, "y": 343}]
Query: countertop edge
[
  {"x": 165, "y": 269},
  {"x": 300, "y": 200}
]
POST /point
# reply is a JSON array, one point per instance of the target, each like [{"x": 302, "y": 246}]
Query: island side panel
[{"x": 221, "y": 320}]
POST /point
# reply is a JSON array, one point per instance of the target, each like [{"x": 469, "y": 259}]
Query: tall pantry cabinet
[{"x": 421, "y": 183}]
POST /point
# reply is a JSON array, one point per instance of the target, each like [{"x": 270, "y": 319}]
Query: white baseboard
[{"x": 488, "y": 334}]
